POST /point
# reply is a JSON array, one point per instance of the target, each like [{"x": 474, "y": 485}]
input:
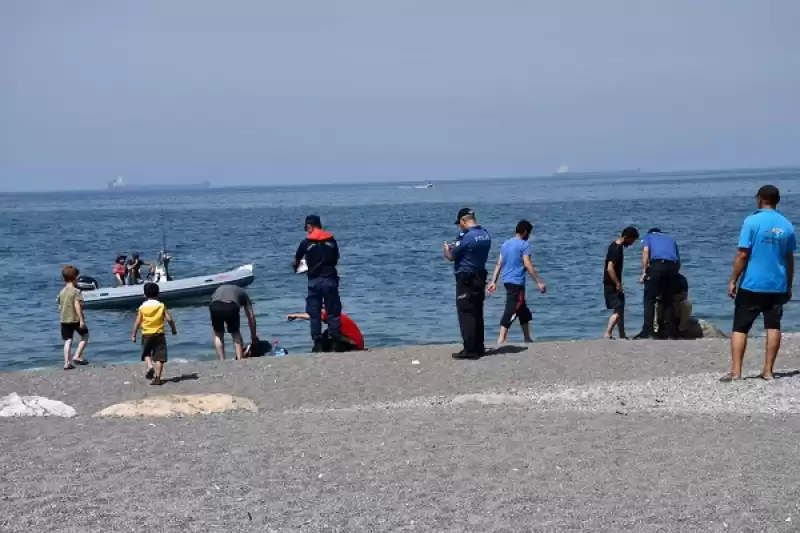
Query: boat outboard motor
[{"x": 86, "y": 283}]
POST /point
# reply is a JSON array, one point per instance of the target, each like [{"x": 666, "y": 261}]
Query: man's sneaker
[{"x": 317, "y": 347}]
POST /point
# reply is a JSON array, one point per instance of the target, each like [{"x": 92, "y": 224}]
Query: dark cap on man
[
  {"x": 313, "y": 220},
  {"x": 654, "y": 230},
  {"x": 464, "y": 212},
  {"x": 769, "y": 194}
]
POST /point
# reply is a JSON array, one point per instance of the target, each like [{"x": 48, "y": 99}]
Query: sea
[{"x": 394, "y": 281}]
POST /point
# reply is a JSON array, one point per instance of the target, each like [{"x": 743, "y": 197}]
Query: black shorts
[
  {"x": 71, "y": 328},
  {"x": 516, "y": 306},
  {"x": 155, "y": 347},
  {"x": 615, "y": 300},
  {"x": 749, "y": 304},
  {"x": 224, "y": 315}
]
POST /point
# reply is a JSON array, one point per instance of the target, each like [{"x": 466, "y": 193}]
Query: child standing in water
[
  {"x": 151, "y": 318},
  {"x": 70, "y": 309}
]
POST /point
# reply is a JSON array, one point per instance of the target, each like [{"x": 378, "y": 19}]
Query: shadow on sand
[
  {"x": 183, "y": 377},
  {"x": 777, "y": 375},
  {"x": 507, "y": 349}
]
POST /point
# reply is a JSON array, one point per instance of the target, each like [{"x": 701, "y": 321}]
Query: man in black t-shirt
[{"x": 612, "y": 281}]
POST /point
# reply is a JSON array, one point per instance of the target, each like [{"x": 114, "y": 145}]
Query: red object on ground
[{"x": 349, "y": 329}]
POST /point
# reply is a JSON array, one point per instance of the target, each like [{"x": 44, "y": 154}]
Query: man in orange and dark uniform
[
  {"x": 351, "y": 337},
  {"x": 321, "y": 253}
]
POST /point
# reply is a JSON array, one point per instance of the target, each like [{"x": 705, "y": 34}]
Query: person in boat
[
  {"x": 163, "y": 264},
  {"x": 350, "y": 337},
  {"x": 120, "y": 270},
  {"x": 134, "y": 268}
]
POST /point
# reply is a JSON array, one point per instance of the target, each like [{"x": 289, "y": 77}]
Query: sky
[{"x": 287, "y": 92}]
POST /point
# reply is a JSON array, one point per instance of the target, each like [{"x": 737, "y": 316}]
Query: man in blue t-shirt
[
  {"x": 515, "y": 263},
  {"x": 469, "y": 253},
  {"x": 661, "y": 262},
  {"x": 764, "y": 271}
]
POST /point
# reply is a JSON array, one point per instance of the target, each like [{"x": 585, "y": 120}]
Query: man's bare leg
[
  {"x": 773, "y": 345},
  {"x": 503, "y": 337},
  {"x": 738, "y": 347},
  {"x": 612, "y": 321},
  {"x": 238, "y": 344},
  {"x": 219, "y": 345},
  {"x": 621, "y": 325},
  {"x": 526, "y": 332}
]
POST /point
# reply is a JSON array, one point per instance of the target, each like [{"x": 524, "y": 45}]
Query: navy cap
[
  {"x": 313, "y": 220},
  {"x": 463, "y": 212}
]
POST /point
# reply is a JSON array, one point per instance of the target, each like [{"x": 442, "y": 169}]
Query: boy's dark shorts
[
  {"x": 71, "y": 328},
  {"x": 155, "y": 346},
  {"x": 224, "y": 315},
  {"x": 615, "y": 300},
  {"x": 749, "y": 304}
]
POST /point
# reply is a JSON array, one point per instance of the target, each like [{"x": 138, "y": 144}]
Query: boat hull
[{"x": 197, "y": 289}]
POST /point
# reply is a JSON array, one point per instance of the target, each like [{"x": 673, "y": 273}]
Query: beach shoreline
[{"x": 605, "y": 435}]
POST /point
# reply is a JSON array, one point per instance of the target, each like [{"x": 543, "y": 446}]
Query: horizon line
[{"x": 211, "y": 186}]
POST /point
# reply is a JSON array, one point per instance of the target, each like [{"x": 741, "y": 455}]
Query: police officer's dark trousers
[
  {"x": 470, "y": 295},
  {"x": 324, "y": 290},
  {"x": 661, "y": 285}
]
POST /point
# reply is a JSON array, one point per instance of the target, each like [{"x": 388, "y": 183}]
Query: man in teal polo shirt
[{"x": 764, "y": 271}]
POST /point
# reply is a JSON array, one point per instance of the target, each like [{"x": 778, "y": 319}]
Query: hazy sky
[{"x": 280, "y": 92}]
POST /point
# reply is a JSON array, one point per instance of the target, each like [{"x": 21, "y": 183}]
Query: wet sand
[{"x": 591, "y": 436}]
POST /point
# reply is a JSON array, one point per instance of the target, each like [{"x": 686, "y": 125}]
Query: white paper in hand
[{"x": 302, "y": 268}]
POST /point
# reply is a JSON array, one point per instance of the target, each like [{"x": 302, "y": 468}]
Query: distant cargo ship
[
  {"x": 120, "y": 185},
  {"x": 627, "y": 172}
]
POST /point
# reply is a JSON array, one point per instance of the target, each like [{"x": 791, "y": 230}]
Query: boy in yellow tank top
[{"x": 150, "y": 319}]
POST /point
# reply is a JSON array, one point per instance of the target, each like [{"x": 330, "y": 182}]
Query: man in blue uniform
[
  {"x": 321, "y": 253},
  {"x": 661, "y": 262},
  {"x": 764, "y": 272},
  {"x": 469, "y": 252}
]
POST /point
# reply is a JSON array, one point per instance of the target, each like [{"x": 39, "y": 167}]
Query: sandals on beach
[
  {"x": 150, "y": 374},
  {"x": 69, "y": 367},
  {"x": 80, "y": 362},
  {"x": 766, "y": 378},
  {"x": 727, "y": 378},
  {"x": 157, "y": 381}
]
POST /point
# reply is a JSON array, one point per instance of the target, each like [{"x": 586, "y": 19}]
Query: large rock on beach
[
  {"x": 15, "y": 405},
  {"x": 702, "y": 329},
  {"x": 179, "y": 405}
]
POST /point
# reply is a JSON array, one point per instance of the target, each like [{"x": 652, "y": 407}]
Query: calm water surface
[{"x": 395, "y": 283}]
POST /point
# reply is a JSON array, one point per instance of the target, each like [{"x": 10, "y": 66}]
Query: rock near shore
[
  {"x": 179, "y": 405},
  {"x": 15, "y": 405},
  {"x": 702, "y": 329}
]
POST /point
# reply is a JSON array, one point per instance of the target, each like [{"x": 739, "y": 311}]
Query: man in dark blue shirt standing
[
  {"x": 469, "y": 252},
  {"x": 661, "y": 262},
  {"x": 321, "y": 253}
]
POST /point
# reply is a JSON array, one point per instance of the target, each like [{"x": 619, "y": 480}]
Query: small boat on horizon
[
  {"x": 119, "y": 184},
  {"x": 564, "y": 169}
]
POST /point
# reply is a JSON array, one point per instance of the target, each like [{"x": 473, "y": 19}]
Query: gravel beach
[{"x": 590, "y": 436}]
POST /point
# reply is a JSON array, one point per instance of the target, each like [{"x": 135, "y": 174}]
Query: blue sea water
[{"x": 395, "y": 283}]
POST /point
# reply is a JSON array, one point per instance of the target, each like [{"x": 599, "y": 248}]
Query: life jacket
[
  {"x": 350, "y": 332},
  {"x": 152, "y": 312}
]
